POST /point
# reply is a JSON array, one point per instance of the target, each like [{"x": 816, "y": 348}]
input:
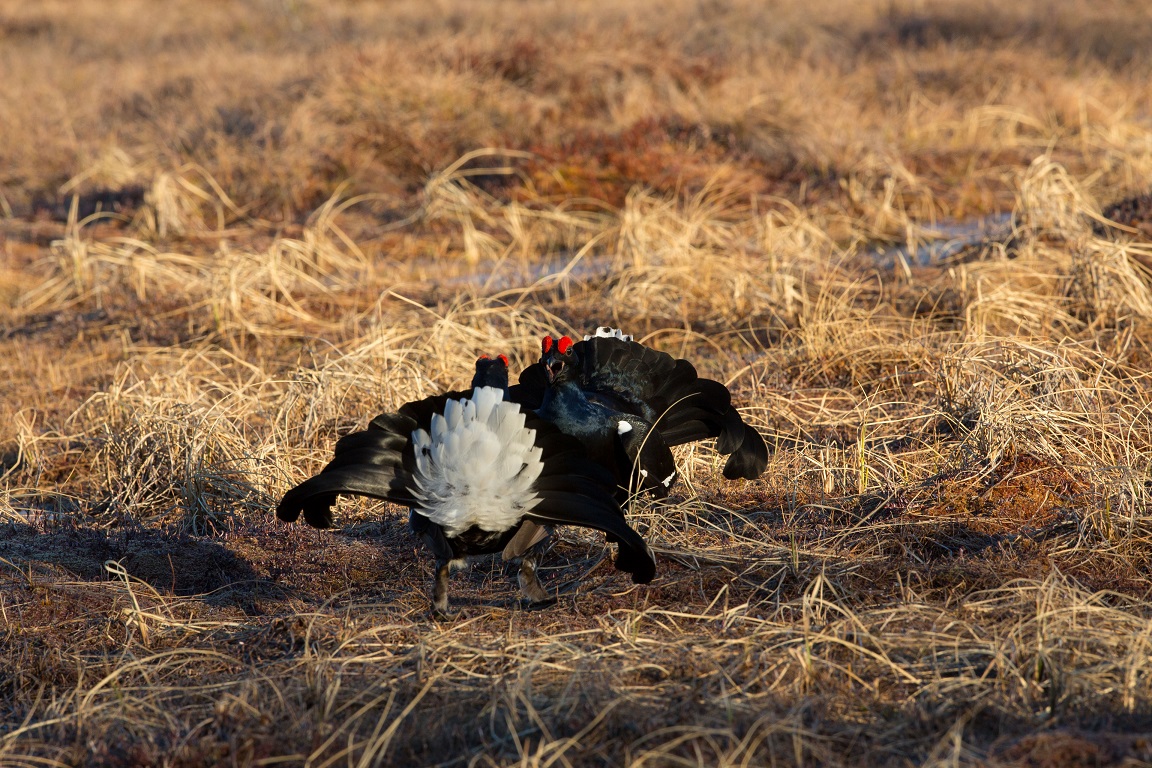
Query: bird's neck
[{"x": 565, "y": 400}]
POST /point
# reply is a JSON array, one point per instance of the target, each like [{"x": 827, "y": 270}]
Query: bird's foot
[
  {"x": 530, "y": 587},
  {"x": 528, "y": 604},
  {"x": 444, "y": 613}
]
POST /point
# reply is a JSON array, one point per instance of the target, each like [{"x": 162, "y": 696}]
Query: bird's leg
[
  {"x": 527, "y": 546},
  {"x": 529, "y": 579},
  {"x": 530, "y": 584},
  {"x": 440, "y": 588},
  {"x": 441, "y": 549}
]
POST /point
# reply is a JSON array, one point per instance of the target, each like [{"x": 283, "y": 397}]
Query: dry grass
[{"x": 232, "y": 233}]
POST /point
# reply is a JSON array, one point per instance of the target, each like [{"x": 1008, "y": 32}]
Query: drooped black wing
[
  {"x": 375, "y": 462},
  {"x": 366, "y": 463},
  {"x": 567, "y": 508},
  {"x": 645, "y": 459},
  {"x": 574, "y": 490}
]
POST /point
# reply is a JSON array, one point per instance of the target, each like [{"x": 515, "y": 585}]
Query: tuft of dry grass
[{"x": 231, "y": 234}]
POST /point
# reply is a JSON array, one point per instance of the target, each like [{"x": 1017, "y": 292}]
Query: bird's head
[
  {"x": 491, "y": 372},
  {"x": 559, "y": 358}
]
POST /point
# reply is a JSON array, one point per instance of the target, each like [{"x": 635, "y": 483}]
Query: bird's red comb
[
  {"x": 482, "y": 357},
  {"x": 546, "y": 344},
  {"x": 564, "y": 345},
  {"x": 503, "y": 359}
]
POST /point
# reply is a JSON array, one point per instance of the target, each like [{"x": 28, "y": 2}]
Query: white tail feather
[
  {"x": 604, "y": 332},
  {"x": 478, "y": 464}
]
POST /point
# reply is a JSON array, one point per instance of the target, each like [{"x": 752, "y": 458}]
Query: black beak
[{"x": 553, "y": 370}]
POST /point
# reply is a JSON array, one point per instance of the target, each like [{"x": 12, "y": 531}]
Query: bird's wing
[
  {"x": 645, "y": 458},
  {"x": 367, "y": 463},
  {"x": 573, "y": 490}
]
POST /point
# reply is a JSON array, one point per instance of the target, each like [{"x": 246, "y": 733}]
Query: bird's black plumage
[
  {"x": 628, "y": 402},
  {"x": 381, "y": 462}
]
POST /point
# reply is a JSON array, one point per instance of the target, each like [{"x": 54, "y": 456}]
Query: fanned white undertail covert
[
  {"x": 604, "y": 332},
  {"x": 478, "y": 464}
]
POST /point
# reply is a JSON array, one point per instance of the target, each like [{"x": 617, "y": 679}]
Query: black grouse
[
  {"x": 629, "y": 404},
  {"x": 481, "y": 475}
]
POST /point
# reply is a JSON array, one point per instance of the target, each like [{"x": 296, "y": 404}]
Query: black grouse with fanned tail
[
  {"x": 481, "y": 475},
  {"x": 629, "y": 404}
]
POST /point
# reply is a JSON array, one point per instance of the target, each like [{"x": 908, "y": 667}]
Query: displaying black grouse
[
  {"x": 481, "y": 475},
  {"x": 629, "y": 404}
]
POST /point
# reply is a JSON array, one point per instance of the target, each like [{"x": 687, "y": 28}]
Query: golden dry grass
[{"x": 233, "y": 232}]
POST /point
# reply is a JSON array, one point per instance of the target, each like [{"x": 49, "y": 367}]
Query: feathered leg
[
  {"x": 440, "y": 589},
  {"x": 437, "y": 543},
  {"x": 527, "y": 546},
  {"x": 529, "y": 579}
]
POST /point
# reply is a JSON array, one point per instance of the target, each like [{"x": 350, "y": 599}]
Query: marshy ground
[{"x": 232, "y": 232}]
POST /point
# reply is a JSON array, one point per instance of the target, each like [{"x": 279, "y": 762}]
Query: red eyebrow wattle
[
  {"x": 546, "y": 343},
  {"x": 564, "y": 345}
]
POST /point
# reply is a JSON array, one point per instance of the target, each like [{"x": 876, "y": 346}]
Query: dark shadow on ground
[{"x": 172, "y": 563}]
